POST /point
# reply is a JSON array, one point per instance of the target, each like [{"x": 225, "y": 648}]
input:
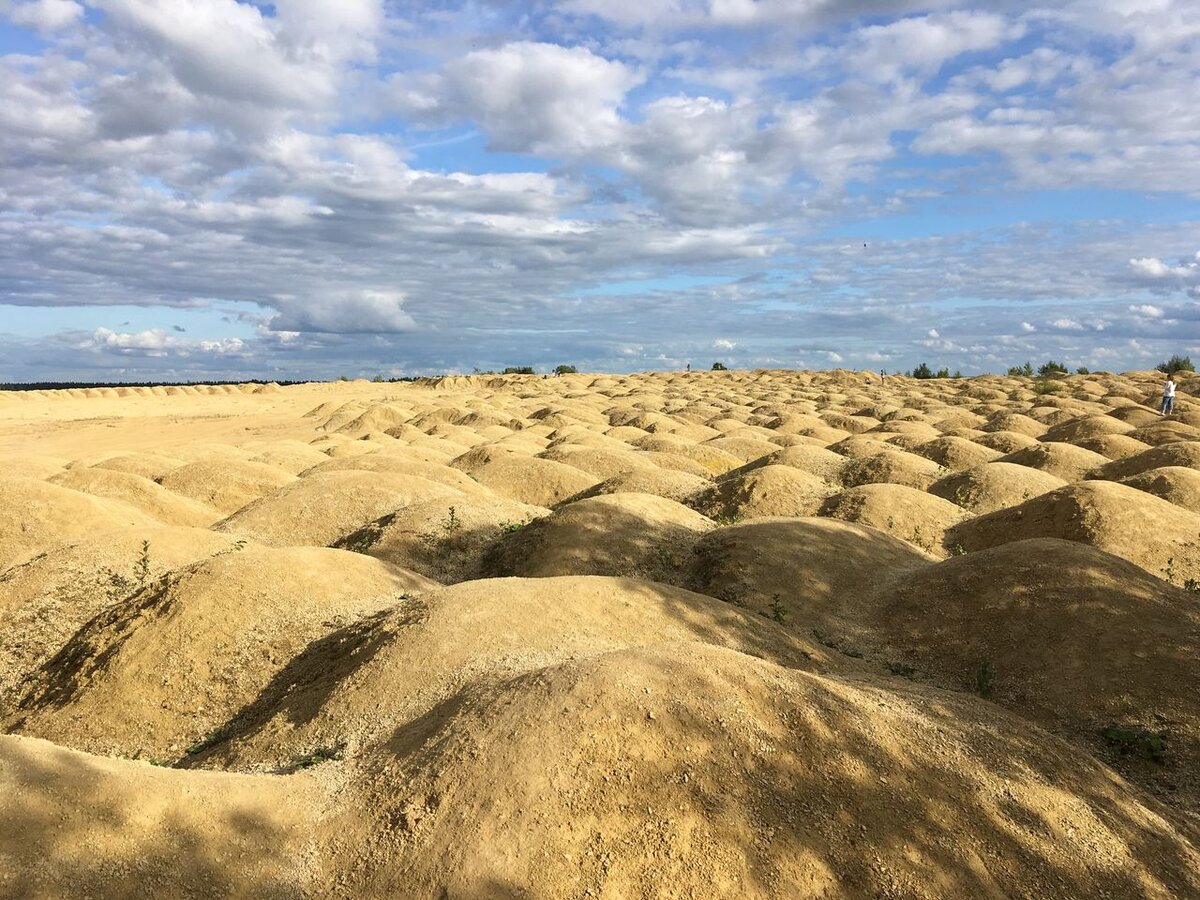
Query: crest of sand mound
[
  {"x": 635, "y": 535},
  {"x": 141, "y": 493},
  {"x": 1068, "y": 462},
  {"x": 1114, "y": 446},
  {"x": 762, "y": 492},
  {"x": 35, "y": 515},
  {"x": 808, "y": 572},
  {"x": 444, "y": 538},
  {"x": 1159, "y": 536},
  {"x": 892, "y": 467},
  {"x": 1014, "y": 422},
  {"x": 401, "y": 462},
  {"x": 1185, "y": 453},
  {"x": 226, "y": 484},
  {"x": 901, "y": 511},
  {"x": 46, "y": 599},
  {"x": 1175, "y": 484},
  {"x": 291, "y": 456},
  {"x": 160, "y": 671},
  {"x": 149, "y": 465},
  {"x": 319, "y": 509},
  {"x": 1086, "y": 427},
  {"x": 825, "y": 464},
  {"x": 600, "y": 462},
  {"x": 359, "y": 684},
  {"x": 691, "y": 770},
  {"x": 73, "y": 825},
  {"x": 742, "y": 446},
  {"x": 668, "y": 483},
  {"x": 1006, "y": 441},
  {"x": 525, "y": 479},
  {"x": 956, "y": 453},
  {"x": 1067, "y": 635},
  {"x": 993, "y": 486},
  {"x": 712, "y": 460},
  {"x": 1166, "y": 431}
]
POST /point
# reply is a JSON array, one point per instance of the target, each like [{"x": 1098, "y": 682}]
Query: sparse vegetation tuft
[
  {"x": 983, "y": 679},
  {"x": 1139, "y": 742},
  {"x": 1175, "y": 364}
]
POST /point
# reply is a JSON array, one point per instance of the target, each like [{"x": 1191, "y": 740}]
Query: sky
[{"x": 196, "y": 189}]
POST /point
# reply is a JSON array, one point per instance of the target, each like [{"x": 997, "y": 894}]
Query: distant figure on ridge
[{"x": 1168, "y": 398}]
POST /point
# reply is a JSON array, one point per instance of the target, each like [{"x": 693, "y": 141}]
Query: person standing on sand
[{"x": 1168, "y": 400}]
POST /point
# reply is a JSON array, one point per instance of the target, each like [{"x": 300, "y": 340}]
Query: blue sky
[{"x": 306, "y": 189}]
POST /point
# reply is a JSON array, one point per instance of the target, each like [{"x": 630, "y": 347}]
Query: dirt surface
[{"x": 756, "y": 634}]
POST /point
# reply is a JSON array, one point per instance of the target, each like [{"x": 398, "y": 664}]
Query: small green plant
[
  {"x": 209, "y": 740},
  {"x": 1169, "y": 570},
  {"x": 564, "y": 370},
  {"x": 141, "y": 569},
  {"x": 1025, "y": 371},
  {"x": 719, "y": 367},
  {"x": 778, "y": 613},
  {"x": 1139, "y": 742},
  {"x": 1047, "y": 387},
  {"x": 510, "y": 527},
  {"x": 827, "y": 641},
  {"x": 724, "y": 520},
  {"x": 1083, "y": 370},
  {"x": 518, "y": 370},
  {"x": 983, "y": 679},
  {"x": 452, "y": 523},
  {"x": 904, "y": 670},
  {"x": 1191, "y": 584},
  {"x": 320, "y": 755},
  {"x": 920, "y": 540},
  {"x": 960, "y": 550}
]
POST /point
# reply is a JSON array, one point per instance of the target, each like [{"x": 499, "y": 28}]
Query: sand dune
[{"x": 754, "y": 634}]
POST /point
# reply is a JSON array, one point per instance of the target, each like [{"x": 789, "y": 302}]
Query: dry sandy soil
[{"x": 767, "y": 634}]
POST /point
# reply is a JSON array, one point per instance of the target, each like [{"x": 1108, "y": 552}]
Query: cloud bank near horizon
[{"x": 211, "y": 188}]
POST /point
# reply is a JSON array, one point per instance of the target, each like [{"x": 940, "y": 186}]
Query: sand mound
[
  {"x": 1165, "y": 431},
  {"x": 679, "y": 771},
  {"x": 73, "y": 825},
  {"x": 810, "y": 573},
  {"x": 359, "y": 684},
  {"x": 956, "y": 453},
  {"x": 1158, "y": 536},
  {"x": 1066, "y": 635},
  {"x": 168, "y": 667},
  {"x": 602, "y": 463},
  {"x": 825, "y": 464},
  {"x": 712, "y": 460},
  {"x": 667, "y": 483},
  {"x": 1114, "y": 446},
  {"x": 634, "y": 535},
  {"x": 1068, "y": 462},
  {"x": 1179, "y": 454},
  {"x": 904, "y": 512},
  {"x": 1086, "y": 427},
  {"x": 35, "y": 515},
  {"x": 141, "y": 493},
  {"x": 318, "y": 510},
  {"x": 536, "y": 482},
  {"x": 46, "y": 599},
  {"x": 443, "y": 538},
  {"x": 401, "y": 462},
  {"x": 1175, "y": 484},
  {"x": 227, "y": 484},
  {"x": 1016, "y": 423},
  {"x": 291, "y": 456},
  {"x": 994, "y": 485},
  {"x": 148, "y": 465},
  {"x": 892, "y": 467},
  {"x": 1006, "y": 441},
  {"x": 774, "y": 490}
]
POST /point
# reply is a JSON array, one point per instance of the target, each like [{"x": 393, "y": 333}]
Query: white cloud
[
  {"x": 1152, "y": 267},
  {"x": 1147, "y": 310},
  {"x": 365, "y": 311},
  {"x": 47, "y": 15}
]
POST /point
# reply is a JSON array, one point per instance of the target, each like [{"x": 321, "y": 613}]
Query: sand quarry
[{"x": 768, "y": 634}]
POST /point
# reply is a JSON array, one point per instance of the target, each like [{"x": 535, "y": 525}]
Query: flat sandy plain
[{"x": 743, "y": 634}]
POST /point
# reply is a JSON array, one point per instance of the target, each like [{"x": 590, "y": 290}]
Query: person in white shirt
[{"x": 1168, "y": 400}]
